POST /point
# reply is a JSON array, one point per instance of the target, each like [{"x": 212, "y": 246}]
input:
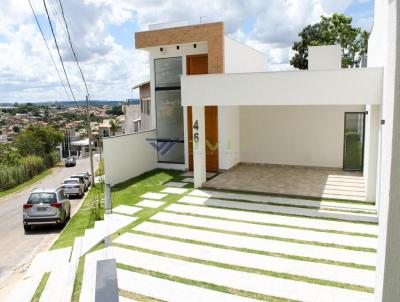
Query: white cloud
[{"x": 26, "y": 72}]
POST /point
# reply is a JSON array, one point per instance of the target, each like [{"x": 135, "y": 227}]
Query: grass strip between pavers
[
  {"x": 137, "y": 297},
  {"x": 276, "y": 213},
  {"x": 250, "y": 270},
  {"x": 76, "y": 292},
  {"x": 273, "y": 224},
  {"x": 84, "y": 219},
  {"x": 294, "y": 257},
  {"x": 317, "y": 243},
  {"x": 40, "y": 288},
  {"x": 202, "y": 284}
]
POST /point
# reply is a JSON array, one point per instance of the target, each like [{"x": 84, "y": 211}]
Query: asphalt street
[{"x": 17, "y": 248}]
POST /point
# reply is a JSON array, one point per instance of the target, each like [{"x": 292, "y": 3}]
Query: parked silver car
[
  {"x": 73, "y": 186},
  {"x": 46, "y": 206},
  {"x": 82, "y": 180},
  {"x": 87, "y": 176}
]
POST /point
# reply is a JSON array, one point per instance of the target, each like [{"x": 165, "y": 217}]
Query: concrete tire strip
[
  {"x": 362, "y": 217},
  {"x": 150, "y": 203},
  {"x": 314, "y": 270},
  {"x": 265, "y": 230},
  {"x": 124, "y": 209},
  {"x": 261, "y": 244},
  {"x": 245, "y": 281},
  {"x": 285, "y": 201},
  {"x": 314, "y": 223}
]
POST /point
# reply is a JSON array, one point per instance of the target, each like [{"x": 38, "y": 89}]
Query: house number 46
[{"x": 196, "y": 133}]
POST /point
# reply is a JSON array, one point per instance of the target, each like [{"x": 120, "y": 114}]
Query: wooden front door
[{"x": 198, "y": 64}]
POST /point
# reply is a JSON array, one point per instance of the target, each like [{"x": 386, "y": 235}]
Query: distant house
[
  {"x": 137, "y": 113},
  {"x": 132, "y": 116},
  {"x": 3, "y": 139}
]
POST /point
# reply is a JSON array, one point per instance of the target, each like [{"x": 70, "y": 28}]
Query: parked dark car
[{"x": 70, "y": 162}]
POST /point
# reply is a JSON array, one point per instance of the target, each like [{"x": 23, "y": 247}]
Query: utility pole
[{"x": 89, "y": 131}]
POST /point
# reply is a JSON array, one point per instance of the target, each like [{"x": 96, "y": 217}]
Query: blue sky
[{"x": 103, "y": 33}]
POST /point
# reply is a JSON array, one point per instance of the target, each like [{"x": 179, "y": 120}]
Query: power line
[
  {"x": 48, "y": 49},
  {"x": 58, "y": 51},
  {"x": 87, "y": 94},
  {"x": 72, "y": 48}
]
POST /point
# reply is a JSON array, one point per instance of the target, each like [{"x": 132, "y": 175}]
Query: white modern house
[{"x": 217, "y": 109}]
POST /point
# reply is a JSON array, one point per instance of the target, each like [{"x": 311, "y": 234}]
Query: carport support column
[
  {"x": 372, "y": 124},
  {"x": 199, "y": 146}
]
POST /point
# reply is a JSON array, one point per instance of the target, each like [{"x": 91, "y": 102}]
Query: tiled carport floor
[{"x": 293, "y": 180}]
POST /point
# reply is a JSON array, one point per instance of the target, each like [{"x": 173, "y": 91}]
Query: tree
[
  {"x": 114, "y": 125},
  {"x": 9, "y": 155},
  {"x": 115, "y": 110},
  {"x": 16, "y": 128},
  {"x": 329, "y": 31},
  {"x": 38, "y": 140}
]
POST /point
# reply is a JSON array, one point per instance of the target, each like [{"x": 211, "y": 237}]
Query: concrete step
[
  {"x": 60, "y": 285},
  {"x": 77, "y": 249}
]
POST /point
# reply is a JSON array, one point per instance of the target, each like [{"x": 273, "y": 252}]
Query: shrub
[{"x": 25, "y": 169}]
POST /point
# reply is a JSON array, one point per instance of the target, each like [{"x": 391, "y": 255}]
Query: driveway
[{"x": 17, "y": 249}]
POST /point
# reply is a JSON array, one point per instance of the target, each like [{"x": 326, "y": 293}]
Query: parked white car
[
  {"x": 87, "y": 176},
  {"x": 73, "y": 186}
]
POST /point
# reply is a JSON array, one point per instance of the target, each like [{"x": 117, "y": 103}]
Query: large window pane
[
  {"x": 354, "y": 141},
  {"x": 167, "y": 72},
  {"x": 170, "y": 126}
]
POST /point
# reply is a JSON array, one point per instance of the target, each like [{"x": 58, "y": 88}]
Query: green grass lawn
[
  {"x": 82, "y": 220},
  {"x": 28, "y": 183}
]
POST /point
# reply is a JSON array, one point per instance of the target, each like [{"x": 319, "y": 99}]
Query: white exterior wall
[
  {"x": 371, "y": 150},
  {"x": 384, "y": 48},
  {"x": 293, "y": 135},
  {"x": 324, "y": 57},
  {"x": 239, "y": 57},
  {"x": 228, "y": 136},
  {"x": 317, "y": 87},
  {"x": 128, "y": 156}
]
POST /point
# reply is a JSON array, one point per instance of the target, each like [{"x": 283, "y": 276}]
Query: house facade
[{"x": 216, "y": 106}]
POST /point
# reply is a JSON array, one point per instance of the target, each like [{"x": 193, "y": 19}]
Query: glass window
[
  {"x": 36, "y": 198},
  {"x": 168, "y": 72},
  {"x": 169, "y": 111}
]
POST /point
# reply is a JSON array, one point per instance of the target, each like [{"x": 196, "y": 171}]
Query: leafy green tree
[
  {"x": 336, "y": 29},
  {"x": 9, "y": 155},
  {"x": 114, "y": 125},
  {"x": 16, "y": 128},
  {"x": 115, "y": 110},
  {"x": 38, "y": 140}
]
